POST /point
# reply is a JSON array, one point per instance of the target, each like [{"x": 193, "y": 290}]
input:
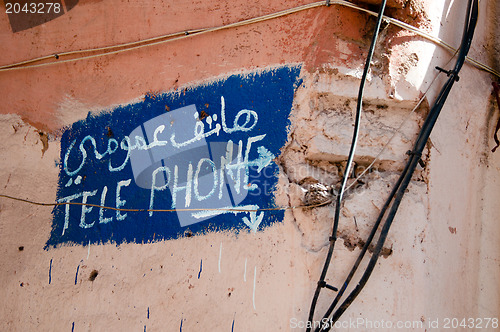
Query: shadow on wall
[
  {"x": 25, "y": 14},
  {"x": 494, "y": 27}
]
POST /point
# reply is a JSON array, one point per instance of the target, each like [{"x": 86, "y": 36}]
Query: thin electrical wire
[
  {"x": 105, "y": 48},
  {"x": 402, "y": 184},
  {"x": 359, "y": 107},
  {"x": 427, "y": 36},
  {"x": 189, "y": 33},
  {"x": 235, "y": 209},
  {"x": 392, "y": 213},
  {"x": 366, "y": 170},
  {"x": 398, "y": 129},
  {"x": 181, "y": 35},
  {"x": 369, "y": 240}
]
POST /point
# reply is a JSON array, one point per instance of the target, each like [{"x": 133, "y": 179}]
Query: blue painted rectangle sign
[{"x": 200, "y": 152}]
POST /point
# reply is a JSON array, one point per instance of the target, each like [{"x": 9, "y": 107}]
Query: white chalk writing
[{"x": 215, "y": 173}]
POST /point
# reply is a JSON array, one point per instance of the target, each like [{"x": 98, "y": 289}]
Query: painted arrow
[
  {"x": 265, "y": 158},
  {"x": 254, "y": 221}
]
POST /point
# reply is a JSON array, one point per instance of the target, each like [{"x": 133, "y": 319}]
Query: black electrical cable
[
  {"x": 364, "y": 249},
  {"x": 321, "y": 283},
  {"x": 405, "y": 178}
]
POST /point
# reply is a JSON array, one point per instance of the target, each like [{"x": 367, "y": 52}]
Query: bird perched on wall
[{"x": 318, "y": 193}]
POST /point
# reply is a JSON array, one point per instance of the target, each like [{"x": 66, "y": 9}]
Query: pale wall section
[{"x": 441, "y": 259}]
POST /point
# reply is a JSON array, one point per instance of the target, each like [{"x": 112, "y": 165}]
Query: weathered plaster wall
[{"x": 441, "y": 259}]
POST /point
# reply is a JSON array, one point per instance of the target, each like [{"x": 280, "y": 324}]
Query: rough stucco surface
[{"x": 441, "y": 259}]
